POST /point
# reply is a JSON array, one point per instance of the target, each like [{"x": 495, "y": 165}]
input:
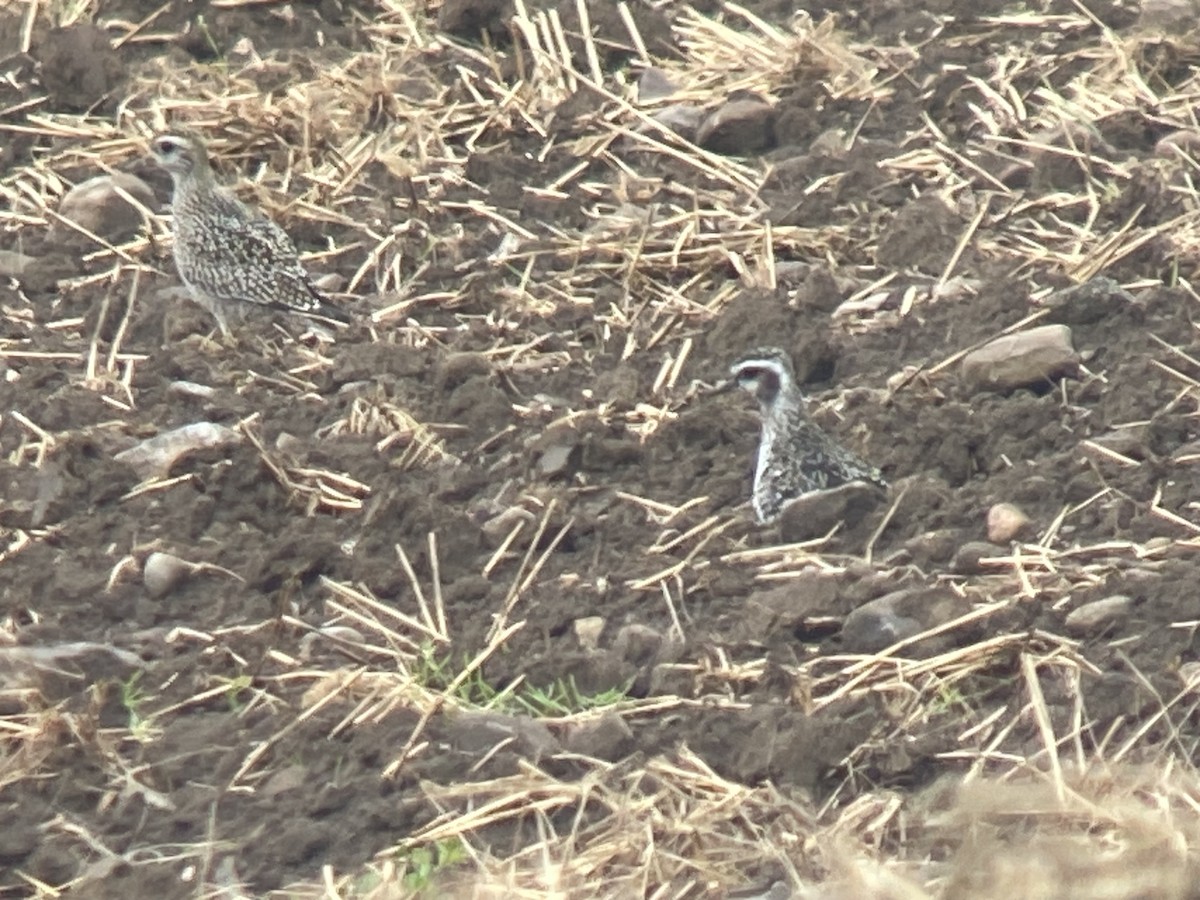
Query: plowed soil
[{"x": 236, "y": 747}]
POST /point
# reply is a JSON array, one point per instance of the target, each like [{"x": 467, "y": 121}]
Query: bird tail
[{"x": 326, "y": 310}]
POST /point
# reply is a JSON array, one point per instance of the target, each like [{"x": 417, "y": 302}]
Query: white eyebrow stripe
[{"x": 771, "y": 365}]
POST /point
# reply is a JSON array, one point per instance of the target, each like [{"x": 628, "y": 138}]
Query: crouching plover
[{"x": 230, "y": 257}]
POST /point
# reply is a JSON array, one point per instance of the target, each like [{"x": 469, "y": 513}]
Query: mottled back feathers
[{"x": 795, "y": 456}]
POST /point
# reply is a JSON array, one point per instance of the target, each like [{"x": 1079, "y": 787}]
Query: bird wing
[{"x": 258, "y": 262}]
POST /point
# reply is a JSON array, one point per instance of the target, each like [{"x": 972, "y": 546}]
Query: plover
[
  {"x": 230, "y": 257},
  {"x": 795, "y": 456}
]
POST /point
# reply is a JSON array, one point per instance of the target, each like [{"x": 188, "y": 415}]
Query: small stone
[
  {"x": 607, "y": 737},
  {"x": 969, "y": 558},
  {"x": 480, "y": 732},
  {"x": 655, "y": 84},
  {"x": 97, "y": 206},
  {"x": 163, "y": 572},
  {"x": 932, "y": 547},
  {"x": 1095, "y": 617},
  {"x": 498, "y": 528},
  {"x": 588, "y": 631},
  {"x": 815, "y": 515},
  {"x": 329, "y": 636},
  {"x": 155, "y": 456},
  {"x": 191, "y": 389},
  {"x": 682, "y": 119},
  {"x": 556, "y": 459},
  {"x": 739, "y": 128},
  {"x": 1006, "y": 522},
  {"x": 1031, "y": 357},
  {"x": 899, "y": 616}
]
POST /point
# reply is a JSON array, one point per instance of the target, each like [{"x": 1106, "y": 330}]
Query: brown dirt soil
[{"x": 246, "y": 744}]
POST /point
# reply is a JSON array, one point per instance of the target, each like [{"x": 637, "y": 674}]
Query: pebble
[
  {"x": 876, "y": 625},
  {"x": 1098, "y": 615},
  {"x": 739, "y": 127},
  {"x": 898, "y": 616},
  {"x": 655, "y": 84},
  {"x": 155, "y": 456},
  {"x": 606, "y": 736},
  {"x": 479, "y": 732},
  {"x": 1006, "y": 522},
  {"x": 681, "y": 118},
  {"x": 967, "y": 561},
  {"x": 1026, "y": 358},
  {"x": 191, "y": 389},
  {"x": 163, "y": 572},
  {"x": 815, "y": 515},
  {"x": 588, "y": 631},
  {"x": 556, "y": 459},
  {"x": 498, "y": 527},
  {"x": 97, "y": 205}
]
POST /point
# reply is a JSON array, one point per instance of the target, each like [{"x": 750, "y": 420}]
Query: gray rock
[
  {"x": 97, "y": 205},
  {"x": 163, "y": 572},
  {"x": 588, "y": 630},
  {"x": 479, "y": 732},
  {"x": 681, "y": 118},
  {"x": 191, "y": 390},
  {"x": 606, "y": 737},
  {"x": 655, "y": 84},
  {"x": 967, "y": 561},
  {"x": 739, "y": 128},
  {"x": 816, "y": 514},
  {"x": 1006, "y": 522},
  {"x": 898, "y": 616},
  {"x": 155, "y": 456},
  {"x": 1093, "y": 618},
  {"x": 556, "y": 459},
  {"x": 1030, "y": 357}
]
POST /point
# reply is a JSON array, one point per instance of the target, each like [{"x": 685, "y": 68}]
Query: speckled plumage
[
  {"x": 230, "y": 257},
  {"x": 795, "y": 456}
]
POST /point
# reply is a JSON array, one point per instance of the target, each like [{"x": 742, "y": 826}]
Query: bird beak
[{"x": 723, "y": 387}]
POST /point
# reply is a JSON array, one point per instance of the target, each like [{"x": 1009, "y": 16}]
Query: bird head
[
  {"x": 765, "y": 372},
  {"x": 179, "y": 155}
]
